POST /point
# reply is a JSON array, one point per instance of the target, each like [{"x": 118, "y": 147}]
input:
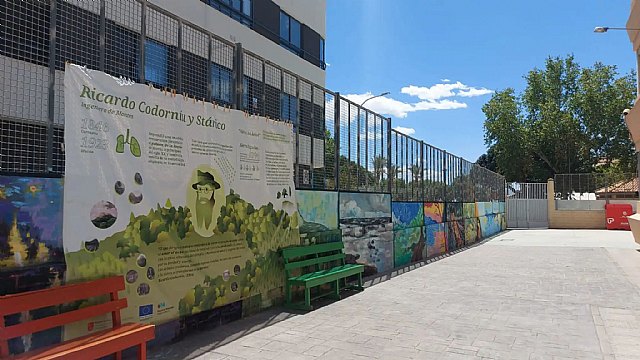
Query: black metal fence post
[
  {"x": 52, "y": 84},
  {"x": 237, "y": 77},
  {"x": 336, "y": 140}
]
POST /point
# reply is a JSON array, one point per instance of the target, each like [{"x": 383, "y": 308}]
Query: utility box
[{"x": 616, "y": 215}]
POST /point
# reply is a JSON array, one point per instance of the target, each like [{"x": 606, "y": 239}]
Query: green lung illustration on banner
[{"x": 189, "y": 202}]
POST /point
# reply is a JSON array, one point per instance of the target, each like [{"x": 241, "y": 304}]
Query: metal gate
[{"x": 527, "y": 205}]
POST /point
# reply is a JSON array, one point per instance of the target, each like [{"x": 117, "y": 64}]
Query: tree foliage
[
  {"x": 488, "y": 160},
  {"x": 567, "y": 120}
]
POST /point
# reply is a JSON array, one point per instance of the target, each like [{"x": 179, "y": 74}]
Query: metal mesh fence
[
  {"x": 24, "y": 60},
  {"x": 253, "y": 84},
  {"x": 161, "y": 50},
  {"x": 195, "y": 63},
  {"x": 407, "y": 167},
  {"x": 123, "y": 24},
  {"x": 433, "y": 173},
  {"x": 23, "y": 147},
  {"x": 596, "y": 186},
  {"x": 340, "y": 145},
  {"x": 487, "y": 186}
]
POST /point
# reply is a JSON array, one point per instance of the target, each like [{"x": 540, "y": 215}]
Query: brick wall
[{"x": 572, "y": 219}]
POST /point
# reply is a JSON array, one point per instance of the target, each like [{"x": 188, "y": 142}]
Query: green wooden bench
[{"x": 318, "y": 264}]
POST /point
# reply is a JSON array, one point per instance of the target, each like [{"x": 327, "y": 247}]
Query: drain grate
[{"x": 506, "y": 240}]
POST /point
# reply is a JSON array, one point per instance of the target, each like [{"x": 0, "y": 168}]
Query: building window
[
  {"x": 289, "y": 108},
  {"x": 290, "y": 33},
  {"x": 122, "y": 49},
  {"x": 221, "y": 79},
  {"x": 194, "y": 75},
  {"x": 239, "y": 10},
  {"x": 246, "y": 7},
  {"x": 252, "y": 95},
  {"x": 323, "y": 65},
  {"x": 24, "y": 31},
  {"x": 155, "y": 62}
]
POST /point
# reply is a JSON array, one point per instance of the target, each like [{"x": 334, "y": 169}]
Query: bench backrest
[
  {"x": 31, "y": 300},
  {"x": 301, "y": 257}
]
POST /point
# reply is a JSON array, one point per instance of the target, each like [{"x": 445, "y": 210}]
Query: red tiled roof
[{"x": 624, "y": 186}]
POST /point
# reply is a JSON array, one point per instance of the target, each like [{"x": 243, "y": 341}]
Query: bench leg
[
  {"x": 336, "y": 290},
  {"x": 307, "y": 298},
  {"x": 142, "y": 351},
  {"x": 287, "y": 292},
  {"x": 358, "y": 287},
  {"x": 118, "y": 355}
]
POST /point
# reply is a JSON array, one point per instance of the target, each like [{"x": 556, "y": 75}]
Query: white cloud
[
  {"x": 388, "y": 106},
  {"x": 435, "y": 97},
  {"x": 405, "y": 130},
  {"x": 474, "y": 92},
  {"x": 440, "y": 105},
  {"x": 440, "y": 91}
]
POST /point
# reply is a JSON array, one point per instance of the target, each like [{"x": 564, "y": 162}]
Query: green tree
[
  {"x": 488, "y": 160},
  {"x": 505, "y": 134},
  {"x": 379, "y": 168},
  {"x": 567, "y": 120}
]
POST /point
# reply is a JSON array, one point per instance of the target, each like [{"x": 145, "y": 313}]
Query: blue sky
[{"x": 469, "y": 47}]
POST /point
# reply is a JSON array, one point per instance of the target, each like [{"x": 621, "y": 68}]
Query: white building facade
[{"x": 263, "y": 56}]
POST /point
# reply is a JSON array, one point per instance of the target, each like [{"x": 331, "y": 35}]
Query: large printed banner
[{"x": 188, "y": 201}]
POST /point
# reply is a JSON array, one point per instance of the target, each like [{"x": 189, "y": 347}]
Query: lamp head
[{"x": 601, "y": 29}]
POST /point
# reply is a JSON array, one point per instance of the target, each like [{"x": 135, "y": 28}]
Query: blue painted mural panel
[{"x": 407, "y": 215}]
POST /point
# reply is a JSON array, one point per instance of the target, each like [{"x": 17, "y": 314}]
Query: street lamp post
[
  {"x": 373, "y": 97},
  {"x": 604, "y": 29}
]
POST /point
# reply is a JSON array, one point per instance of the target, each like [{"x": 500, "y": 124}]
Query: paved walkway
[{"x": 537, "y": 294}]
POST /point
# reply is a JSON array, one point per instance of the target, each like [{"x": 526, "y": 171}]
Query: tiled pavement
[{"x": 509, "y": 298}]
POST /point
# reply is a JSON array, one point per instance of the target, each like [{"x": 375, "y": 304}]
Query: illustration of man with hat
[{"x": 205, "y": 200}]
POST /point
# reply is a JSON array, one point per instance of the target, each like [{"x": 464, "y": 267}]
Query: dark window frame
[
  {"x": 287, "y": 42},
  {"x": 221, "y": 84},
  {"x": 323, "y": 63},
  {"x": 239, "y": 14},
  {"x": 289, "y": 108},
  {"x": 150, "y": 61}
]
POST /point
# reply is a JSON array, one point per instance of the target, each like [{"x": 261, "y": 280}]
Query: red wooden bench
[{"x": 93, "y": 346}]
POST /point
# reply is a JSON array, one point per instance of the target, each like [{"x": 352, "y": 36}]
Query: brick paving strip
[{"x": 534, "y": 294}]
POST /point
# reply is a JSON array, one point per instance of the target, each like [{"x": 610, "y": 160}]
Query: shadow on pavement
[{"x": 197, "y": 342}]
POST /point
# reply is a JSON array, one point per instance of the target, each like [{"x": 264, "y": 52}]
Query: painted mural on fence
[
  {"x": 455, "y": 235},
  {"x": 503, "y": 221},
  {"x": 188, "y": 201},
  {"x": 433, "y": 213},
  {"x": 31, "y": 255},
  {"x": 490, "y": 225},
  {"x": 436, "y": 238},
  {"x": 364, "y": 205},
  {"x": 367, "y": 230},
  {"x": 480, "y": 209},
  {"x": 496, "y": 207},
  {"x": 318, "y": 211},
  {"x": 407, "y": 215},
  {"x": 454, "y": 211},
  {"x": 471, "y": 232},
  {"x": 469, "y": 210},
  {"x": 409, "y": 246},
  {"x": 485, "y": 208}
]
